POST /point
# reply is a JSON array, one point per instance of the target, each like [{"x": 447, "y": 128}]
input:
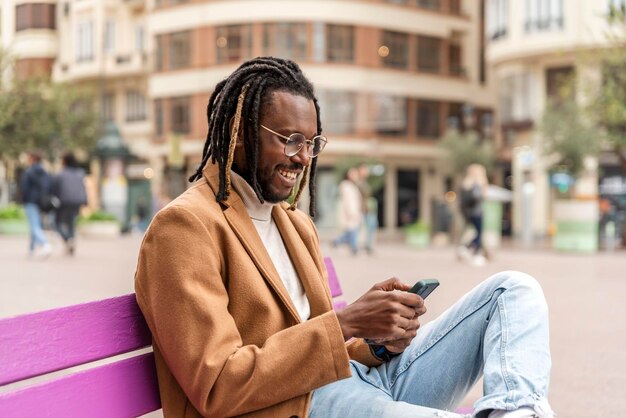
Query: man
[
  {"x": 232, "y": 284},
  {"x": 350, "y": 210},
  {"x": 69, "y": 187},
  {"x": 34, "y": 182}
]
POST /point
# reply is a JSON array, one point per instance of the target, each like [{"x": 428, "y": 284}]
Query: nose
[{"x": 301, "y": 157}]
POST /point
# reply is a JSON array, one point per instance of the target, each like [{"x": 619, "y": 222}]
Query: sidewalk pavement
[{"x": 585, "y": 294}]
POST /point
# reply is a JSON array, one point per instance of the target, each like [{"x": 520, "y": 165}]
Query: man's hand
[{"x": 384, "y": 315}]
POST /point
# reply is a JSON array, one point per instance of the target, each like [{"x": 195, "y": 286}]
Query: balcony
[{"x": 114, "y": 65}]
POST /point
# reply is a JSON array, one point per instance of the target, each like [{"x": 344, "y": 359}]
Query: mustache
[{"x": 292, "y": 167}]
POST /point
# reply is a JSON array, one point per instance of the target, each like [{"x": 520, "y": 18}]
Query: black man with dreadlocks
[{"x": 232, "y": 284}]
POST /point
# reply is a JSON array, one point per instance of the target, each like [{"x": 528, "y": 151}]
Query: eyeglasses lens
[{"x": 296, "y": 141}]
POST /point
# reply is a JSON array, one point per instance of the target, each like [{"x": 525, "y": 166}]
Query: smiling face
[{"x": 284, "y": 113}]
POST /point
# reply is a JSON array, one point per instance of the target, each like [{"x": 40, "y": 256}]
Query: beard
[{"x": 264, "y": 180}]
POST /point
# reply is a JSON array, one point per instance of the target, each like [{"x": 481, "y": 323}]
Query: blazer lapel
[
  {"x": 238, "y": 218},
  {"x": 308, "y": 272}
]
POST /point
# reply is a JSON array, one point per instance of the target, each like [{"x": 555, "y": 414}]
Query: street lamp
[{"x": 113, "y": 154}]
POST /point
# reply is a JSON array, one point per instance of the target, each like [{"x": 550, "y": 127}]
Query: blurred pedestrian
[
  {"x": 34, "y": 184},
  {"x": 369, "y": 206},
  {"x": 350, "y": 210},
  {"x": 69, "y": 187},
  {"x": 473, "y": 191},
  {"x": 143, "y": 217}
]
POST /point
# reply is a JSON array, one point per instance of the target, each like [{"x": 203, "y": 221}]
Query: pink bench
[{"x": 33, "y": 346}]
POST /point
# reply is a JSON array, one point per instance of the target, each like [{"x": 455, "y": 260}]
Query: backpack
[
  {"x": 468, "y": 200},
  {"x": 47, "y": 201}
]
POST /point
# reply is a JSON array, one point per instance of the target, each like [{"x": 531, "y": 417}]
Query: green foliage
[
  {"x": 568, "y": 137},
  {"x": 38, "y": 114},
  {"x": 13, "y": 212},
  {"x": 375, "y": 180},
  {"x": 463, "y": 149},
  {"x": 98, "y": 216},
  {"x": 419, "y": 227}
]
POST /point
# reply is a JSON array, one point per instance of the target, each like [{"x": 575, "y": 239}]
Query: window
[
  {"x": 391, "y": 115},
  {"x": 559, "y": 83},
  {"x": 109, "y": 36},
  {"x": 429, "y": 4},
  {"x": 339, "y": 43},
  {"x": 319, "y": 42},
  {"x": 135, "y": 106},
  {"x": 516, "y": 92},
  {"x": 455, "y": 7},
  {"x": 428, "y": 120},
  {"x": 285, "y": 40},
  {"x": 455, "y": 60},
  {"x": 429, "y": 54},
  {"x": 159, "y": 53},
  {"x": 84, "y": 41},
  {"x": 158, "y": 117},
  {"x": 542, "y": 15},
  {"x": 337, "y": 111},
  {"x": 139, "y": 39},
  {"x": 497, "y": 18},
  {"x": 179, "y": 50},
  {"x": 616, "y": 9},
  {"x": 107, "y": 109},
  {"x": 398, "y": 49},
  {"x": 35, "y": 16},
  {"x": 234, "y": 43},
  {"x": 181, "y": 115}
]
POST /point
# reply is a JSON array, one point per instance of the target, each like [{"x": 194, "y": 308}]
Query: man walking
[{"x": 34, "y": 183}]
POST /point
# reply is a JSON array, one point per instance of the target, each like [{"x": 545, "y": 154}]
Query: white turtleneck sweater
[{"x": 261, "y": 214}]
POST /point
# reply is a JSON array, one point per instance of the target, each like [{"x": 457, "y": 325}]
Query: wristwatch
[{"x": 380, "y": 352}]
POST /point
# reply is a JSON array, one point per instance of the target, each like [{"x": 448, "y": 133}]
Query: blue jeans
[
  {"x": 37, "y": 236},
  {"x": 350, "y": 237},
  {"x": 499, "y": 330}
]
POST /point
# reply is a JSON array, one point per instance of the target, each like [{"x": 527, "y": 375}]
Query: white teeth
[{"x": 288, "y": 174}]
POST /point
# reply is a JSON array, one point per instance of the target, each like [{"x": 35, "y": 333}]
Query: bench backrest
[
  {"x": 40, "y": 343},
  {"x": 33, "y": 346},
  {"x": 333, "y": 283}
]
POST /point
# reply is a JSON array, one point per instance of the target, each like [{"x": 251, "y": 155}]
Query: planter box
[
  {"x": 14, "y": 227},
  {"x": 417, "y": 239},
  {"x": 576, "y": 225},
  {"x": 99, "y": 229}
]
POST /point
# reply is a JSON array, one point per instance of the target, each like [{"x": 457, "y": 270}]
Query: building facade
[
  {"x": 533, "y": 46},
  {"x": 389, "y": 75}
]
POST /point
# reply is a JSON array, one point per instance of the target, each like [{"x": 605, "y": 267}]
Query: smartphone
[{"x": 424, "y": 287}]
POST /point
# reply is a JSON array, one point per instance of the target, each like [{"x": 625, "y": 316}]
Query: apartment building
[
  {"x": 389, "y": 75},
  {"x": 532, "y": 46}
]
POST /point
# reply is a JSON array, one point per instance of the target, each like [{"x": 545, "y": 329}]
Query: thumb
[{"x": 391, "y": 284}]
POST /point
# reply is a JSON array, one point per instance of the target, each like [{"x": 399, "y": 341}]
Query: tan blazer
[{"x": 227, "y": 339}]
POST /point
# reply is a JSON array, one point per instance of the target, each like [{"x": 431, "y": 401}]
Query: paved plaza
[{"x": 585, "y": 293}]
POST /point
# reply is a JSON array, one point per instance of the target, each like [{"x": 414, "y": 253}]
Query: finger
[
  {"x": 391, "y": 284},
  {"x": 409, "y": 299}
]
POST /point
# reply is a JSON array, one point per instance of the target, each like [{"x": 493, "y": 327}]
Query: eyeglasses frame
[{"x": 307, "y": 142}]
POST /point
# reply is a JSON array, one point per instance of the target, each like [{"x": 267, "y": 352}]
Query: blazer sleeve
[{"x": 182, "y": 294}]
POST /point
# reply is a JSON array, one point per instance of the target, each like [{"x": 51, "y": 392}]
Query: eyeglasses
[{"x": 295, "y": 142}]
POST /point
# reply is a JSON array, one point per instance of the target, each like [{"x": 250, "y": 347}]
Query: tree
[
  {"x": 465, "y": 148},
  {"x": 38, "y": 114},
  {"x": 567, "y": 137}
]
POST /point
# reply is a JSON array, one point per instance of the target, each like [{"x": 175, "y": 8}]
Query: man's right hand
[{"x": 383, "y": 314}]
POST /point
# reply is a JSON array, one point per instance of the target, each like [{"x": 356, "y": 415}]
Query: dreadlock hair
[{"x": 242, "y": 97}]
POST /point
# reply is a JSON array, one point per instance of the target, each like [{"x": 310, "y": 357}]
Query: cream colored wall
[
  {"x": 342, "y": 12},
  {"x": 584, "y": 27},
  {"x": 336, "y": 77}
]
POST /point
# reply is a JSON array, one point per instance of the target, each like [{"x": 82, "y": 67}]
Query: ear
[{"x": 231, "y": 124}]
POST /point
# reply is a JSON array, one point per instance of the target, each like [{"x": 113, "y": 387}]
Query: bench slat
[
  {"x": 333, "y": 281},
  {"x": 43, "y": 342},
  {"x": 127, "y": 388}
]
